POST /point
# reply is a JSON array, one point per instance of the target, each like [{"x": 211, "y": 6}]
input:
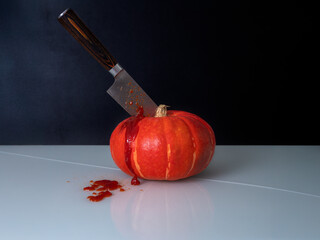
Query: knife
[{"x": 124, "y": 90}]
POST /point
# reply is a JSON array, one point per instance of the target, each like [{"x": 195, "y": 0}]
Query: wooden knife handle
[{"x": 86, "y": 38}]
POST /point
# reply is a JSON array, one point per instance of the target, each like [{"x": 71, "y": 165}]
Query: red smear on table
[{"x": 103, "y": 187}]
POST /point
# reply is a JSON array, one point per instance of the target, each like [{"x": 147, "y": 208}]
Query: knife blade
[{"x": 124, "y": 90}]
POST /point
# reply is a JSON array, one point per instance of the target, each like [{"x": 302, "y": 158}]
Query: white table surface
[{"x": 247, "y": 192}]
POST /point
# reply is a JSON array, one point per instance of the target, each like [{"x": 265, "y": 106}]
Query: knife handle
[{"x": 74, "y": 25}]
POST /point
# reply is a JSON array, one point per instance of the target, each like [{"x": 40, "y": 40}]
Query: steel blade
[{"x": 130, "y": 95}]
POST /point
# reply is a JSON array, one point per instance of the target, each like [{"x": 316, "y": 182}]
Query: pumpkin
[{"x": 169, "y": 146}]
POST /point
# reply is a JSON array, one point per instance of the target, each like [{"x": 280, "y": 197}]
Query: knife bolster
[{"x": 115, "y": 70}]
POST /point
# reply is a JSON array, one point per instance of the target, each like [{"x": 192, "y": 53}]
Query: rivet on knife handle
[{"x": 87, "y": 39}]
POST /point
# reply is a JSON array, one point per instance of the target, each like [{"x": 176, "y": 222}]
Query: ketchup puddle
[{"x": 101, "y": 189}]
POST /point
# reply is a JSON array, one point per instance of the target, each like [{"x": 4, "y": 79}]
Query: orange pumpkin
[{"x": 170, "y": 146}]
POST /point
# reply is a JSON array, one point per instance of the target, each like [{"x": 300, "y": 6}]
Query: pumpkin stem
[{"x": 161, "y": 111}]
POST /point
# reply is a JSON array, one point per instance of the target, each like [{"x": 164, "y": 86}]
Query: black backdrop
[{"x": 247, "y": 68}]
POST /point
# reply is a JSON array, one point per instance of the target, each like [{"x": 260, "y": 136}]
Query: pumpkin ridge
[
  {"x": 212, "y": 135},
  {"x": 194, "y": 156},
  {"x": 135, "y": 151},
  {"x": 192, "y": 117},
  {"x": 168, "y": 150},
  {"x": 135, "y": 158}
]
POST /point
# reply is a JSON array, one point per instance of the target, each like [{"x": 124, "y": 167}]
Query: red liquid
[
  {"x": 100, "y": 196},
  {"x": 132, "y": 130},
  {"x": 135, "y": 181},
  {"x": 103, "y": 187}
]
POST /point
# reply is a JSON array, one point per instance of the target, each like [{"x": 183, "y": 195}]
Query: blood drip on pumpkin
[
  {"x": 103, "y": 187},
  {"x": 132, "y": 130}
]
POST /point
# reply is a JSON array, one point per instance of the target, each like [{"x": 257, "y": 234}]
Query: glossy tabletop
[{"x": 247, "y": 192}]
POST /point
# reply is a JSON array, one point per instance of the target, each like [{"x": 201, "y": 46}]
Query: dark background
[{"x": 247, "y": 68}]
